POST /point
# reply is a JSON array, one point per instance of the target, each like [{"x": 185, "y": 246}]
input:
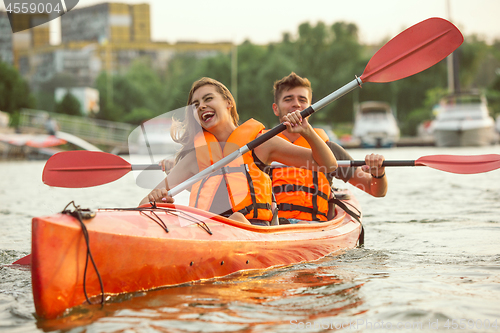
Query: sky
[{"x": 264, "y": 21}]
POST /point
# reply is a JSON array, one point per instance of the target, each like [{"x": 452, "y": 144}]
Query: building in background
[
  {"x": 104, "y": 37},
  {"x": 83, "y": 61},
  {"x": 6, "y": 52},
  {"x": 32, "y": 34},
  {"x": 112, "y": 22}
]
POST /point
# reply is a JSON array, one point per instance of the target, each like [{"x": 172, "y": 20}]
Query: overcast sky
[{"x": 264, "y": 21}]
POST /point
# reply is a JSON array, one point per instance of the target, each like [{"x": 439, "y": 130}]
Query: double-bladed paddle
[
  {"x": 412, "y": 51},
  {"x": 77, "y": 169}
]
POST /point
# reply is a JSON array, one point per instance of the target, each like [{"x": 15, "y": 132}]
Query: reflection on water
[
  {"x": 431, "y": 254},
  {"x": 314, "y": 291}
]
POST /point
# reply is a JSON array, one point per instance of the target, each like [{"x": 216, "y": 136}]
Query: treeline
[{"x": 329, "y": 56}]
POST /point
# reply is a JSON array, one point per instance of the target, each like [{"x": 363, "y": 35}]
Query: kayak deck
[{"x": 133, "y": 253}]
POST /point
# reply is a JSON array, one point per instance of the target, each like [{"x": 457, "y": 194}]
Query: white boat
[
  {"x": 375, "y": 125},
  {"x": 463, "y": 119}
]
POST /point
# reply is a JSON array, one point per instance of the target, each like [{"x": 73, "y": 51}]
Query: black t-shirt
[{"x": 341, "y": 154}]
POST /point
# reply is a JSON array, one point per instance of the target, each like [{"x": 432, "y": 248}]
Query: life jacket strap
[
  {"x": 252, "y": 194},
  {"x": 292, "y": 207},
  {"x": 255, "y": 207},
  {"x": 247, "y": 209}
]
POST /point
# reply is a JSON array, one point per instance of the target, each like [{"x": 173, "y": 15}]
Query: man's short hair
[{"x": 289, "y": 82}]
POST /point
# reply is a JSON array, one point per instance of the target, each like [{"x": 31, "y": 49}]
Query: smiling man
[{"x": 301, "y": 194}]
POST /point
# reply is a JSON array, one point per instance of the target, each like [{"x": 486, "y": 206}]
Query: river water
[{"x": 431, "y": 260}]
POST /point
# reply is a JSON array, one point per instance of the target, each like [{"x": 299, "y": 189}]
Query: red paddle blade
[
  {"x": 82, "y": 168},
  {"x": 413, "y": 50},
  {"x": 461, "y": 164},
  {"x": 26, "y": 260}
]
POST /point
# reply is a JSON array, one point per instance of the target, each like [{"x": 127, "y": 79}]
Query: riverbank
[
  {"x": 14, "y": 144},
  {"x": 402, "y": 142},
  {"x": 10, "y": 150}
]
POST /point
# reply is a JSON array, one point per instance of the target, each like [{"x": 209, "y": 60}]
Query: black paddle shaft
[{"x": 386, "y": 163}]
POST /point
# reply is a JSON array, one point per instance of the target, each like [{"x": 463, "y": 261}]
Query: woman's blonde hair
[{"x": 183, "y": 132}]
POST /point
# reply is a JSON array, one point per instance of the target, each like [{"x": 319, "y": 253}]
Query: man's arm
[{"x": 356, "y": 176}]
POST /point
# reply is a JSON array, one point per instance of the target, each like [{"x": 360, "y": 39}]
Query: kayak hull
[{"x": 133, "y": 253}]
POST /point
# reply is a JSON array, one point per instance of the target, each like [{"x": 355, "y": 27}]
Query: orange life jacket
[
  {"x": 248, "y": 187},
  {"x": 301, "y": 193}
]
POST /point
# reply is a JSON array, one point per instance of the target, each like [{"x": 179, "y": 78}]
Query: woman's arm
[{"x": 183, "y": 170}]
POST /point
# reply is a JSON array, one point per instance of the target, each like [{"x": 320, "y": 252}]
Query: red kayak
[{"x": 146, "y": 248}]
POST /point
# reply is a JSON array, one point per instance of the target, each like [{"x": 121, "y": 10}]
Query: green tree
[
  {"x": 69, "y": 105},
  {"x": 256, "y": 93},
  {"x": 127, "y": 97},
  {"x": 107, "y": 109},
  {"x": 148, "y": 85},
  {"x": 329, "y": 56},
  {"x": 493, "y": 96},
  {"x": 472, "y": 55},
  {"x": 14, "y": 91},
  {"x": 138, "y": 115},
  {"x": 45, "y": 95},
  {"x": 183, "y": 69}
]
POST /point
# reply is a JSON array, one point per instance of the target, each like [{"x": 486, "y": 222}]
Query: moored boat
[
  {"x": 375, "y": 125},
  {"x": 463, "y": 119},
  {"x": 498, "y": 124},
  {"x": 146, "y": 248}
]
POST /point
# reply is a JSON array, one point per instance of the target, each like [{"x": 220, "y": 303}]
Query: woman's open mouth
[{"x": 206, "y": 116}]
